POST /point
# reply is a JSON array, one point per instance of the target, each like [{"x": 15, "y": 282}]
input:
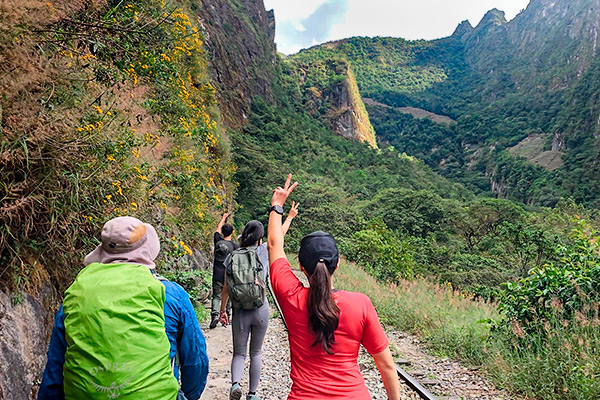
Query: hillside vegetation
[
  {"x": 500, "y": 95},
  {"x": 108, "y": 110},
  {"x": 159, "y": 110}
]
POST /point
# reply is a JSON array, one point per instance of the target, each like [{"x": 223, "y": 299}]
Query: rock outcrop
[
  {"x": 25, "y": 324},
  {"x": 337, "y": 99},
  {"x": 239, "y": 38},
  {"x": 347, "y": 113},
  {"x": 552, "y": 39}
]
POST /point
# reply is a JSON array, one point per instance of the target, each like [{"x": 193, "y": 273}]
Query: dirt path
[
  {"x": 275, "y": 380},
  {"x": 448, "y": 379}
]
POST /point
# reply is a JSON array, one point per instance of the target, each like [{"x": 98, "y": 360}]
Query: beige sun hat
[{"x": 127, "y": 240}]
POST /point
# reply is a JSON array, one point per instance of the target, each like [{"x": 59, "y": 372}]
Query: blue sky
[{"x": 305, "y": 23}]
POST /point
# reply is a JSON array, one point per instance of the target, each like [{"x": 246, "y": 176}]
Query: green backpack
[
  {"x": 246, "y": 279},
  {"x": 115, "y": 333}
]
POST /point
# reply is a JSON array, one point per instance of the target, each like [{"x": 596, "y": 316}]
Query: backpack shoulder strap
[{"x": 159, "y": 277}]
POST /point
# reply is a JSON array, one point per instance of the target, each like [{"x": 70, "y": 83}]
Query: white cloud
[
  {"x": 414, "y": 19},
  {"x": 294, "y": 34}
]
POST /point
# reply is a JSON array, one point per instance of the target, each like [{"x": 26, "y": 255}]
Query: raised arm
[
  {"x": 222, "y": 222},
  {"x": 275, "y": 232},
  {"x": 291, "y": 215}
]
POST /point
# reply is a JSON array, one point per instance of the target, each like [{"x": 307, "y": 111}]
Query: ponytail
[{"x": 323, "y": 313}]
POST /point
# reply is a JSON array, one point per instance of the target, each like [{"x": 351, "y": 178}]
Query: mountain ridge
[{"x": 502, "y": 81}]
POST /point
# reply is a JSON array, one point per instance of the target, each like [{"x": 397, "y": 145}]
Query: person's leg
[
  {"x": 240, "y": 329},
  {"x": 260, "y": 323},
  {"x": 215, "y": 306}
]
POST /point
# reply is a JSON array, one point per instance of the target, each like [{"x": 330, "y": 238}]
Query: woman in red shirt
[{"x": 326, "y": 326}]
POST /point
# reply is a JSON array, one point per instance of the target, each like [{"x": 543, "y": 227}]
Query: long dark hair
[{"x": 323, "y": 313}]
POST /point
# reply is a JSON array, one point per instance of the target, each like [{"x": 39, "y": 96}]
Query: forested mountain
[
  {"x": 176, "y": 111},
  {"x": 524, "y": 94}
]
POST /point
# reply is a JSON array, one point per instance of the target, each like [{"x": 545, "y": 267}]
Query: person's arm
[
  {"x": 222, "y": 222},
  {"x": 275, "y": 232},
  {"x": 377, "y": 344},
  {"x": 387, "y": 368},
  {"x": 51, "y": 387},
  {"x": 191, "y": 348},
  {"x": 224, "y": 298},
  {"x": 291, "y": 215}
]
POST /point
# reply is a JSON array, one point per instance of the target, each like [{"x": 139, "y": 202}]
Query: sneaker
[
  {"x": 235, "y": 393},
  {"x": 252, "y": 397},
  {"x": 214, "y": 323}
]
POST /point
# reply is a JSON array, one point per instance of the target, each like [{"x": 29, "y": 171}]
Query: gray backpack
[
  {"x": 222, "y": 250},
  {"x": 245, "y": 279}
]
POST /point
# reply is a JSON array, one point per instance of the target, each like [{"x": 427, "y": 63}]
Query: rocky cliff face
[
  {"x": 24, "y": 330},
  {"x": 347, "y": 113},
  {"x": 239, "y": 37},
  {"x": 550, "y": 44},
  {"x": 331, "y": 92}
]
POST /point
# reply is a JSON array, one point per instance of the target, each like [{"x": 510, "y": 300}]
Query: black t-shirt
[{"x": 218, "y": 267}]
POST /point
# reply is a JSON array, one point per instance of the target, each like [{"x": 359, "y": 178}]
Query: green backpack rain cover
[{"x": 115, "y": 332}]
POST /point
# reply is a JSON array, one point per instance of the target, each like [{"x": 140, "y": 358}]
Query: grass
[
  {"x": 445, "y": 318},
  {"x": 564, "y": 364}
]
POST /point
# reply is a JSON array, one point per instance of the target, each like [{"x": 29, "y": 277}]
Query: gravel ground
[
  {"x": 446, "y": 379},
  {"x": 452, "y": 381},
  {"x": 275, "y": 380}
]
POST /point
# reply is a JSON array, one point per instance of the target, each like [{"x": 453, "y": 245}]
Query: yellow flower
[{"x": 98, "y": 109}]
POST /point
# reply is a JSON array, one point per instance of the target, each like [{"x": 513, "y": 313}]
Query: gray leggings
[{"x": 253, "y": 323}]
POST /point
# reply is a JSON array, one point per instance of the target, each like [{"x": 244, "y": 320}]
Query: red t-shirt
[{"x": 316, "y": 374}]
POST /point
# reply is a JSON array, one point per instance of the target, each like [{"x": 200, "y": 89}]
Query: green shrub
[
  {"x": 565, "y": 289},
  {"x": 197, "y": 283},
  {"x": 381, "y": 252}
]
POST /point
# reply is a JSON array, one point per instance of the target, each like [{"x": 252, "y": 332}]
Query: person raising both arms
[{"x": 326, "y": 326}]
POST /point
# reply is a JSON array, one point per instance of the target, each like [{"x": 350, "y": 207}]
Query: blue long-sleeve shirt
[{"x": 183, "y": 331}]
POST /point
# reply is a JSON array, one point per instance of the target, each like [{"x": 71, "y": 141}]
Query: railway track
[
  {"x": 403, "y": 375},
  {"x": 414, "y": 385}
]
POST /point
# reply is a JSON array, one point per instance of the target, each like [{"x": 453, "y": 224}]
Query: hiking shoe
[
  {"x": 252, "y": 397},
  {"x": 235, "y": 393},
  {"x": 214, "y": 323}
]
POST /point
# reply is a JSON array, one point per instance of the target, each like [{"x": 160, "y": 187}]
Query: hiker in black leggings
[{"x": 251, "y": 324}]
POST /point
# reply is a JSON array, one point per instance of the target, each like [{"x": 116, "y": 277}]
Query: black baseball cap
[{"x": 318, "y": 246}]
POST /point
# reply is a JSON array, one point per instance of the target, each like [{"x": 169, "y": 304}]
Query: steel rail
[
  {"x": 414, "y": 385},
  {"x": 409, "y": 380}
]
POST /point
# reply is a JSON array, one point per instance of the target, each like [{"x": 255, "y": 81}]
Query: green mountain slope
[{"x": 504, "y": 83}]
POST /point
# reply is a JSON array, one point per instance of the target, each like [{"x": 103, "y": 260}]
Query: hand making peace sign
[{"x": 280, "y": 194}]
